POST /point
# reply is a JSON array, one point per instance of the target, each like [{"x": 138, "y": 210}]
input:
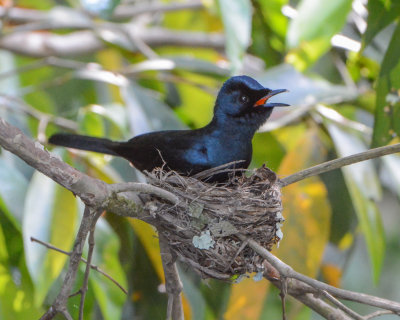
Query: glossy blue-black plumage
[{"x": 225, "y": 139}]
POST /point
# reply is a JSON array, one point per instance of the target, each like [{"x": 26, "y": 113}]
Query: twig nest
[{"x": 202, "y": 229}]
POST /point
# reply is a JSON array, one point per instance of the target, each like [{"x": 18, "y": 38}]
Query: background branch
[
  {"x": 340, "y": 162},
  {"x": 84, "y": 42}
]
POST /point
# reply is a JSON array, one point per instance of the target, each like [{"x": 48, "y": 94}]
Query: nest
[{"x": 202, "y": 229}]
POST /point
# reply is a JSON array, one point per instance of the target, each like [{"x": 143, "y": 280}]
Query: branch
[
  {"x": 287, "y": 271},
  {"x": 173, "y": 284},
  {"x": 60, "y": 303},
  {"x": 22, "y": 15},
  {"x": 341, "y": 162},
  {"x": 84, "y": 288},
  {"x": 84, "y": 42}
]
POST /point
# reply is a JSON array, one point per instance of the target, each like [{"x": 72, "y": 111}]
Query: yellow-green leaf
[
  {"x": 306, "y": 209},
  {"x": 247, "y": 300}
]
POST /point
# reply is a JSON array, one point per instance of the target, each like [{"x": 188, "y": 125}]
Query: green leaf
[
  {"x": 16, "y": 292},
  {"x": 109, "y": 297},
  {"x": 194, "y": 296},
  {"x": 267, "y": 150},
  {"x": 387, "y": 112},
  {"x": 236, "y": 16},
  {"x": 146, "y": 112},
  {"x": 364, "y": 188},
  {"x": 310, "y": 32},
  {"x": 380, "y": 15},
  {"x": 50, "y": 215},
  {"x": 91, "y": 123},
  {"x": 13, "y": 188}
]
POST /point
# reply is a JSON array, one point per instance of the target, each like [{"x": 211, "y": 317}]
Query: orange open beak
[{"x": 263, "y": 100}]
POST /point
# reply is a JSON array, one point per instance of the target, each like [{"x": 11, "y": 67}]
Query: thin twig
[
  {"x": 287, "y": 271},
  {"x": 85, "y": 283},
  {"x": 94, "y": 267},
  {"x": 282, "y": 294},
  {"x": 59, "y": 304},
  {"x": 341, "y": 162},
  {"x": 341, "y": 306},
  {"x": 378, "y": 314}
]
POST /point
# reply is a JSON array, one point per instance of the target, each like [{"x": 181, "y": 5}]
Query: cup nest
[{"x": 202, "y": 228}]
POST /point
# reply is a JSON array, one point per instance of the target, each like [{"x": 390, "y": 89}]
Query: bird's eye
[{"x": 244, "y": 99}]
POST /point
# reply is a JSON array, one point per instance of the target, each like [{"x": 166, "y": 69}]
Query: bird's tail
[{"x": 80, "y": 142}]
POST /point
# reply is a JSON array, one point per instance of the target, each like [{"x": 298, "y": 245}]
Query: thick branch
[{"x": 341, "y": 162}]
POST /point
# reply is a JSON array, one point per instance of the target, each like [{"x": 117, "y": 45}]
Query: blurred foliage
[{"x": 339, "y": 59}]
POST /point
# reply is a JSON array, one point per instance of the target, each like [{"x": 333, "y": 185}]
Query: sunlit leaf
[
  {"x": 306, "y": 209},
  {"x": 310, "y": 32},
  {"x": 267, "y": 150},
  {"x": 380, "y": 15},
  {"x": 247, "y": 299},
  {"x": 387, "y": 112},
  {"x": 149, "y": 240},
  {"x": 16, "y": 292},
  {"x": 197, "y": 106},
  {"x": 364, "y": 188},
  {"x": 50, "y": 215},
  {"x": 236, "y": 16}
]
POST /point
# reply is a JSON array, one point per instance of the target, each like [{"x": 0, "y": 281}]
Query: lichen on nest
[{"x": 202, "y": 228}]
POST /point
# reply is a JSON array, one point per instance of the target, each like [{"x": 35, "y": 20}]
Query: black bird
[{"x": 240, "y": 109}]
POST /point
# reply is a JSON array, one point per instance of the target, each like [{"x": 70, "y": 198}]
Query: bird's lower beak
[{"x": 263, "y": 100}]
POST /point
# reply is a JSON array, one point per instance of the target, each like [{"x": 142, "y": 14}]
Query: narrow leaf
[
  {"x": 364, "y": 188},
  {"x": 236, "y": 16},
  {"x": 387, "y": 111},
  {"x": 50, "y": 215},
  {"x": 310, "y": 32},
  {"x": 380, "y": 15},
  {"x": 306, "y": 208}
]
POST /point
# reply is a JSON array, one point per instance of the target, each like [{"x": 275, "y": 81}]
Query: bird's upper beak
[{"x": 271, "y": 93}]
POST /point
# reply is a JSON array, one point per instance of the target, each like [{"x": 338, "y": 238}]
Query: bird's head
[{"x": 246, "y": 101}]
